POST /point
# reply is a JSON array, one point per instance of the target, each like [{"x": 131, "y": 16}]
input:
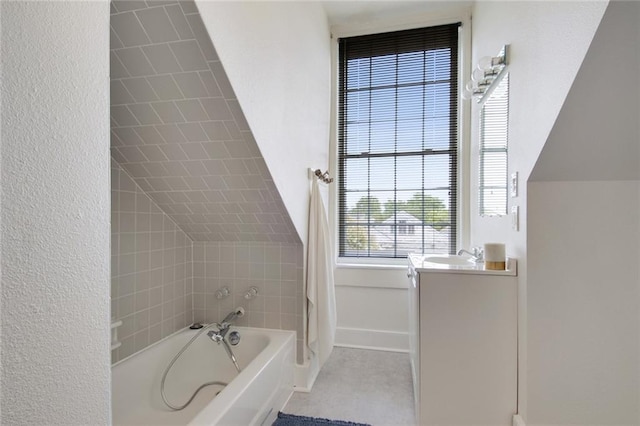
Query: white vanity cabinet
[{"x": 463, "y": 343}]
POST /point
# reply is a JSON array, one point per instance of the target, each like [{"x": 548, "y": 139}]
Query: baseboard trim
[
  {"x": 582, "y": 424},
  {"x": 519, "y": 421},
  {"x": 305, "y": 375},
  {"x": 392, "y": 341}
]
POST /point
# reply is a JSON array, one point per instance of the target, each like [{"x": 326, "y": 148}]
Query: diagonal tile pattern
[{"x": 179, "y": 131}]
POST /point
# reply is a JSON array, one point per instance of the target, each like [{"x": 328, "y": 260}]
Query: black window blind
[{"x": 398, "y": 142}]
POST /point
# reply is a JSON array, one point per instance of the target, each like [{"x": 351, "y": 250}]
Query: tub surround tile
[
  {"x": 153, "y": 153},
  {"x": 188, "y": 7},
  {"x": 189, "y": 55},
  {"x": 114, "y": 41},
  {"x": 161, "y": 58},
  {"x": 165, "y": 87},
  {"x": 192, "y": 110},
  {"x": 170, "y": 114},
  {"x": 179, "y": 21},
  {"x": 170, "y": 89},
  {"x": 127, "y": 136},
  {"x": 190, "y": 84},
  {"x": 221, "y": 79},
  {"x": 120, "y": 94},
  {"x": 202, "y": 36},
  {"x": 126, "y": 5},
  {"x": 116, "y": 68},
  {"x": 121, "y": 115},
  {"x": 145, "y": 114},
  {"x": 210, "y": 83},
  {"x": 162, "y": 281},
  {"x": 151, "y": 270},
  {"x": 157, "y": 25},
  {"x": 192, "y": 132},
  {"x": 139, "y": 88},
  {"x": 219, "y": 264},
  {"x": 127, "y": 26},
  {"x": 194, "y": 206},
  {"x": 134, "y": 61}
]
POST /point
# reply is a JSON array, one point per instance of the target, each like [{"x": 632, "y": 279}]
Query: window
[
  {"x": 398, "y": 142},
  {"x": 403, "y": 227}
]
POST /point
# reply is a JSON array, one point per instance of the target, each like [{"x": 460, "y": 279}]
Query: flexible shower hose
[{"x": 175, "y": 358}]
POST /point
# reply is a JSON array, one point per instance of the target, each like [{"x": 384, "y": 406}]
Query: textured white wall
[
  {"x": 543, "y": 36},
  {"x": 584, "y": 241},
  {"x": 584, "y": 303},
  {"x": 55, "y": 213},
  {"x": 596, "y": 134},
  {"x": 277, "y": 57}
]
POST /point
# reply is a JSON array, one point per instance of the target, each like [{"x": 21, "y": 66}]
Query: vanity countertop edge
[{"x": 421, "y": 265}]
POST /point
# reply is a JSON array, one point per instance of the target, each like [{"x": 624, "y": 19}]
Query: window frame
[{"x": 450, "y": 16}]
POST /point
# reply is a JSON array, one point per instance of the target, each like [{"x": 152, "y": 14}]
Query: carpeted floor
[{"x": 364, "y": 386}]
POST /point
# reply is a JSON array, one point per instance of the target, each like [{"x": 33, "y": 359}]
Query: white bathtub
[{"x": 252, "y": 397}]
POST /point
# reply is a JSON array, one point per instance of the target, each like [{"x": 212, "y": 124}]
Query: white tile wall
[
  {"x": 192, "y": 195},
  {"x": 151, "y": 272},
  {"x": 274, "y": 268},
  {"x": 162, "y": 281},
  {"x": 178, "y": 128}
]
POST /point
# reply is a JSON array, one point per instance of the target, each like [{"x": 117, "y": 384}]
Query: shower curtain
[{"x": 321, "y": 300}]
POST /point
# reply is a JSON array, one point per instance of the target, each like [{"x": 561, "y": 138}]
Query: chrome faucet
[
  {"x": 223, "y": 327},
  {"x": 477, "y": 254}
]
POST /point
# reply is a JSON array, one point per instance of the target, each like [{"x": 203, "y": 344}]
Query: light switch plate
[
  {"x": 513, "y": 184},
  {"x": 515, "y": 218}
]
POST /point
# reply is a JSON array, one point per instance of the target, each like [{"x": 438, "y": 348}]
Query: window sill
[{"x": 355, "y": 265}]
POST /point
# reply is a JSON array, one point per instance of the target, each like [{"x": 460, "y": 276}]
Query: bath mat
[{"x": 292, "y": 420}]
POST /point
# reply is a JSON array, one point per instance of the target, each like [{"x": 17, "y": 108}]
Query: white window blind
[
  {"x": 398, "y": 142},
  {"x": 494, "y": 138}
]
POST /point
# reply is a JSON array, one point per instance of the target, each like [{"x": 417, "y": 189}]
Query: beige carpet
[{"x": 360, "y": 386}]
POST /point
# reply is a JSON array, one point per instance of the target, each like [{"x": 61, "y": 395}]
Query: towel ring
[{"x": 323, "y": 176}]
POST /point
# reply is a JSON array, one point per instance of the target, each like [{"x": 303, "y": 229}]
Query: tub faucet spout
[{"x": 237, "y": 313}]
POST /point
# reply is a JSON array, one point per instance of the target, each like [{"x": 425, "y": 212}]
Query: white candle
[{"x": 494, "y": 256}]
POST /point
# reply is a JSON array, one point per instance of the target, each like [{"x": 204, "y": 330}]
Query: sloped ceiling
[
  {"x": 596, "y": 136},
  {"x": 179, "y": 131}
]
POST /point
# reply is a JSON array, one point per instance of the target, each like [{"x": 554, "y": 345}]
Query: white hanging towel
[{"x": 321, "y": 298}]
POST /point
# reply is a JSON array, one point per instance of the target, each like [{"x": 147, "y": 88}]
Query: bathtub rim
[{"x": 175, "y": 333}]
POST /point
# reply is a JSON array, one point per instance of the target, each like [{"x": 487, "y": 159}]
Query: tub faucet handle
[
  {"x": 251, "y": 293},
  {"x": 215, "y": 336},
  {"x": 223, "y": 292}
]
